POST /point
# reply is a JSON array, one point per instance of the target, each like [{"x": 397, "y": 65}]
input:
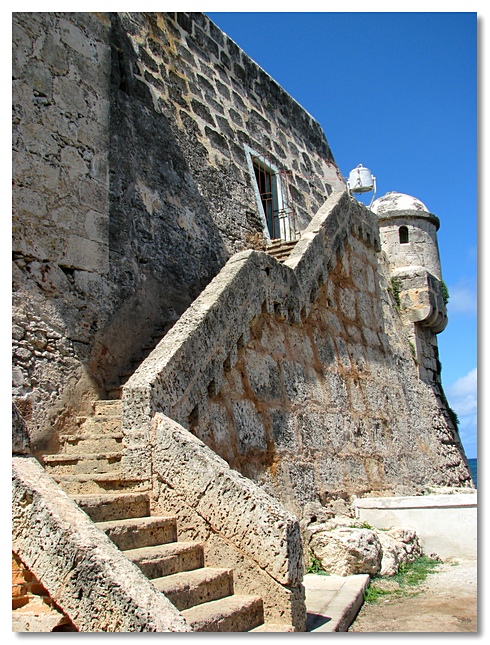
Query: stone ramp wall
[
  {"x": 189, "y": 364},
  {"x": 301, "y": 375},
  {"x": 82, "y": 570}
]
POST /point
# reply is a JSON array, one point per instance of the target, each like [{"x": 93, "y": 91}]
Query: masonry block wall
[
  {"x": 132, "y": 187},
  {"x": 301, "y": 376},
  {"x": 32, "y": 607},
  {"x": 334, "y": 404}
]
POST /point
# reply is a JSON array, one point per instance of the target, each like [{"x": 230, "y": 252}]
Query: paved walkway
[{"x": 332, "y": 602}]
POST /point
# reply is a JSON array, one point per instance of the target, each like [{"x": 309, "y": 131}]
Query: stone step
[
  {"x": 73, "y": 464},
  {"x": 167, "y": 559},
  {"x": 232, "y": 614},
  {"x": 276, "y": 248},
  {"x": 114, "y": 506},
  {"x": 281, "y": 249},
  {"x": 91, "y": 443},
  {"x": 99, "y": 424},
  {"x": 139, "y": 532},
  {"x": 281, "y": 256},
  {"x": 107, "y": 407},
  {"x": 190, "y": 588},
  {"x": 111, "y": 483},
  {"x": 281, "y": 244}
]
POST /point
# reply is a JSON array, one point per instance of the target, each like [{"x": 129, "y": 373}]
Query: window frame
[
  {"x": 281, "y": 210},
  {"x": 403, "y": 233}
]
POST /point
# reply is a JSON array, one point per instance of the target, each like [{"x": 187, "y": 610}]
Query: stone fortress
[{"x": 209, "y": 332}]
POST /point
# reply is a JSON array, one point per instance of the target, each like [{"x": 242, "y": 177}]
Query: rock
[
  {"x": 346, "y": 547},
  {"x": 399, "y": 546},
  {"x": 313, "y": 512},
  {"x": 346, "y": 551}
]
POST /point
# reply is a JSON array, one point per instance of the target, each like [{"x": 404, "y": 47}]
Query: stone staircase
[
  {"x": 89, "y": 460},
  {"x": 280, "y": 249},
  {"x": 88, "y": 469}
]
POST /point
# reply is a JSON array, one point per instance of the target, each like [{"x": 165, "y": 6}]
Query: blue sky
[{"x": 396, "y": 92}]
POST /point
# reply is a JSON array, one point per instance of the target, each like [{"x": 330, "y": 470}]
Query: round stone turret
[{"x": 408, "y": 233}]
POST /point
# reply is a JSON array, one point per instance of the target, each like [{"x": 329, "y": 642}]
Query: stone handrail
[
  {"x": 232, "y": 505},
  {"x": 83, "y": 571},
  {"x": 189, "y": 363}
]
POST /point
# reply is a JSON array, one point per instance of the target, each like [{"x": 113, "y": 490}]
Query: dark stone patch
[
  {"x": 223, "y": 90},
  {"x": 283, "y": 430},
  {"x": 205, "y": 42},
  {"x": 205, "y": 85},
  {"x": 218, "y": 141},
  {"x": 233, "y": 50},
  {"x": 235, "y": 117},
  {"x": 185, "y": 22},
  {"x": 225, "y": 128},
  {"x": 203, "y": 111},
  {"x": 225, "y": 59},
  {"x": 216, "y": 34}
]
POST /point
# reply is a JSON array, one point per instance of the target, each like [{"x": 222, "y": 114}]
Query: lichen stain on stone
[{"x": 150, "y": 198}]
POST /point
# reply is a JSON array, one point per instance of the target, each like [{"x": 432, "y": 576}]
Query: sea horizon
[{"x": 472, "y": 463}]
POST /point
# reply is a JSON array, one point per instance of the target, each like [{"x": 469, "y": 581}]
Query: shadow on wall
[{"x": 164, "y": 246}]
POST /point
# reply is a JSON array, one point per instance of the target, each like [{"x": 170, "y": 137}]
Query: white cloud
[
  {"x": 462, "y": 298},
  {"x": 463, "y": 398},
  {"x": 464, "y": 386}
]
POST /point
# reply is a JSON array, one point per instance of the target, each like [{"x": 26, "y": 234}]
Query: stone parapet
[
  {"x": 244, "y": 527},
  {"x": 234, "y": 505}
]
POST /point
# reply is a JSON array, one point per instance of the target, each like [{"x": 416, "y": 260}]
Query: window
[
  {"x": 273, "y": 197},
  {"x": 403, "y": 234},
  {"x": 267, "y": 186}
]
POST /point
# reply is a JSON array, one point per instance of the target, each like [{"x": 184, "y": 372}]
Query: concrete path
[{"x": 332, "y": 602}]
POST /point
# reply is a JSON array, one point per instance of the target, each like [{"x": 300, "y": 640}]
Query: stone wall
[
  {"x": 301, "y": 375},
  {"x": 61, "y": 205},
  {"x": 132, "y": 187},
  {"x": 434, "y": 517},
  {"x": 33, "y": 610}
]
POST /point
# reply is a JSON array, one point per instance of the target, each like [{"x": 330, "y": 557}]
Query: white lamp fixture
[{"x": 361, "y": 180}]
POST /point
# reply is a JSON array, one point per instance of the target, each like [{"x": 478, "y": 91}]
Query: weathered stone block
[
  {"x": 248, "y": 427},
  {"x": 87, "y": 255},
  {"x": 263, "y": 375}
]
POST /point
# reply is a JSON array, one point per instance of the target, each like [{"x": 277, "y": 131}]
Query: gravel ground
[
  {"x": 445, "y": 602},
  {"x": 459, "y": 575}
]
